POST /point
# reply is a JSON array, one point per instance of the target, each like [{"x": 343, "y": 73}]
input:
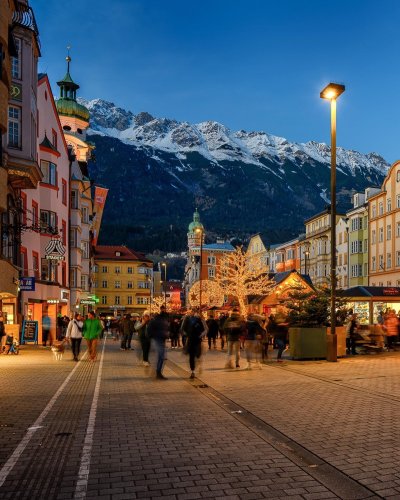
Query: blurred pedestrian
[
  {"x": 391, "y": 329},
  {"x": 174, "y": 329},
  {"x": 195, "y": 329},
  {"x": 74, "y": 335},
  {"x": 126, "y": 326},
  {"x": 3, "y": 336},
  {"x": 233, "y": 328},
  {"x": 212, "y": 334},
  {"x": 254, "y": 335},
  {"x": 351, "y": 334},
  {"x": 158, "y": 330},
  {"x": 281, "y": 338},
  {"x": 91, "y": 332},
  {"x": 141, "y": 328},
  {"x": 46, "y": 327}
]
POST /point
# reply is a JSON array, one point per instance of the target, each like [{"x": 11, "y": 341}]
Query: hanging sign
[
  {"x": 100, "y": 195},
  {"x": 53, "y": 301},
  {"x": 54, "y": 250},
  {"x": 87, "y": 302},
  {"x": 27, "y": 284}
]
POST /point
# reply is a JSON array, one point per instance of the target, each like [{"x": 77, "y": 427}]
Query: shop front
[
  {"x": 9, "y": 297},
  {"x": 368, "y": 301}
]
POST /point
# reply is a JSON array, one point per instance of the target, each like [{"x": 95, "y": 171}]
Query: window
[
  {"x": 117, "y": 269},
  {"x": 389, "y": 260},
  {"x": 74, "y": 199},
  {"x": 143, "y": 284},
  {"x": 130, "y": 284},
  {"x": 117, "y": 300},
  {"x": 373, "y": 210},
  {"x": 14, "y": 127},
  {"x": 365, "y": 269},
  {"x": 49, "y": 171},
  {"x": 398, "y": 201},
  {"x": 104, "y": 299},
  {"x": 117, "y": 284},
  {"x": 142, "y": 300},
  {"x": 130, "y": 270},
  {"x": 380, "y": 234},
  {"x": 54, "y": 138},
  {"x": 397, "y": 229},
  {"x": 356, "y": 246},
  {"x": 211, "y": 272},
  {"x": 397, "y": 258},
  {"x": 365, "y": 246},
  {"x": 356, "y": 270},
  {"x": 85, "y": 214},
  {"x": 211, "y": 260},
  {"x": 84, "y": 282},
  {"x": 388, "y": 283},
  {"x": 398, "y": 176},
  {"x": 381, "y": 266},
  {"x": 16, "y": 60},
  {"x": 35, "y": 264},
  {"x": 48, "y": 220},
  {"x": 64, "y": 191},
  {"x": 64, "y": 233},
  {"x": 104, "y": 269},
  {"x": 143, "y": 270},
  {"x": 373, "y": 264},
  {"x": 373, "y": 237},
  {"x": 356, "y": 223},
  {"x": 129, "y": 300},
  {"x": 389, "y": 204},
  {"x": 104, "y": 284},
  {"x": 381, "y": 208},
  {"x": 95, "y": 268},
  {"x": 24, "y": 260},
  {"x": 73, "y": 237},
  {"x": 35, "y": 213},
  {"x": 389, "y": 232},
  {"x": 49, "y": 270},
  {"x": 85, "y": 249}
]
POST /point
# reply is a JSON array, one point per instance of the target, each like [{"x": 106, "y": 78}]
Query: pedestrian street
[{"x": 110, "y": 430}]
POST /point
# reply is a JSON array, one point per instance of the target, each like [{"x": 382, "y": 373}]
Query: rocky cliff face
[{"x": 158, "y": 170}]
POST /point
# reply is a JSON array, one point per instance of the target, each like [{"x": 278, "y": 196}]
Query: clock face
[{"x": 16, "y": 92}]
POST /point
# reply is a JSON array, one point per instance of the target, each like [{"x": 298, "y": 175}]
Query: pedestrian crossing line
[
  {"x": 11, "y": 462},
  {"x": 84, "y": 468}
]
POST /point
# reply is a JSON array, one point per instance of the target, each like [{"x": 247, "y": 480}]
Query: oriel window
[{"x": 14, "y": 126}]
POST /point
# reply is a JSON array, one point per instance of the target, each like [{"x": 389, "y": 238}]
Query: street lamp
[
  {"x": 164, "y": 265},
  {"x": 200, "y": 231},
  {"x": 306, "y": 257},
  {"x": 332, "y": 92}
]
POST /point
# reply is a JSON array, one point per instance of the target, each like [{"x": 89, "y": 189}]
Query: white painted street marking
[
  {"x": 10, "y": 464},
  {"x": 84, "y": 469}
]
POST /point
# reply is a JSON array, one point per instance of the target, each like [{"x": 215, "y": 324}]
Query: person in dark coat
[
  {"x": 279, "y": 330},
  {"x": 141, "y": 328},
  {"x": 158, "y": 330},
  {"x": 195, "y": 328},
  {"x": 174, "y": 329},
  {"x": 234, "y": 327},
  {"x": 126, "y": 326},
  {"x": 212, "y": 325},
  {"x": 254, "y": 335}
]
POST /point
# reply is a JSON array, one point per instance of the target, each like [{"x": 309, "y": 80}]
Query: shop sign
[
  {"x": 117, "y": 307},
  {"x": 53, "y": 301},
  {"x": 391, "y": 291},
  {"x": 64, "y": 295},
  {"x": 87, "y": 302},
  {"x": 54, "y": 250},
  {"x": 29, "y": 331},
  {"x": 16, "y": 91},
  {"x": 27, "y": 284}
]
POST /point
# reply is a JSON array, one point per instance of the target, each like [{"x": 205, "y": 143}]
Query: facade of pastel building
[
  {"x": 18, "y": 120},
  {"x": 384, "y": 231},
  {"x": 123, "y": 280},
  {"x": 46, "y": 209},
  {"x": 318, "y": 243},
  {"x": 342, "y": 252},
  {"x": 288, "y": 255},
  {"x": 257, "y": 251},
  {"x": 75, "y": 120}
]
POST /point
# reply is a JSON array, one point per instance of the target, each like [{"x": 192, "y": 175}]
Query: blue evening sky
[{"x": 249, "y": 64}]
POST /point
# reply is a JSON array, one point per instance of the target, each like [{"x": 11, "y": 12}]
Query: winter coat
[
  {"x": 92, "y": 328},
  {"x": 254, "y": 329},
  {"x": 158, "y": 327},
  {"x": 234, "y": 327},
  {"x": 74, "y": 329}
]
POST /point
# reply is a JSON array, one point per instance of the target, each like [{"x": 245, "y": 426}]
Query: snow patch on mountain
[{"x": 218, "y": 143}]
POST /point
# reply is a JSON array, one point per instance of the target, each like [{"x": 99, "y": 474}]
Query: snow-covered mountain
[
  {"x": 159, "y": 169},
  {"x": 216, "y": 142}
]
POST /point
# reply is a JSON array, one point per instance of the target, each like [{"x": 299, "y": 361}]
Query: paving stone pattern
[{"x": 170, "y": 439}]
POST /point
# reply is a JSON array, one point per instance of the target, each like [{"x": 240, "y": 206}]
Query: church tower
[{"x": 195, "y": 232}]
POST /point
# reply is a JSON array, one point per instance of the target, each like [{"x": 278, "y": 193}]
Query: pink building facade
[{"x": 47, "y": 210}]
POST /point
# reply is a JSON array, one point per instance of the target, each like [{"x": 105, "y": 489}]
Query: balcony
[
  {"x": 23, "y": 16},
  {"x": 23, "y": 173}
]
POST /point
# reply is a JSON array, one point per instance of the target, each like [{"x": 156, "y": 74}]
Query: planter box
[
  {"x": 341, "y": 340},
  {"x": 307, "y": 343}
]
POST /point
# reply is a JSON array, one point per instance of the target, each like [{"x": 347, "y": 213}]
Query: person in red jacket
[{"x": 392, "y": 329}]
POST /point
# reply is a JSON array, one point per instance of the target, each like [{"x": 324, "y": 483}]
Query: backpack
[{"x": 194, "y": 327}]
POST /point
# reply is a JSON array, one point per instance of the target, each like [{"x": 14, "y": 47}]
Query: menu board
[{"x": 29, "y": 331}]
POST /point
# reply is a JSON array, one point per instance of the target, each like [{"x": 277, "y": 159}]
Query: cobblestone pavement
[{"x": 109, "y": 430}]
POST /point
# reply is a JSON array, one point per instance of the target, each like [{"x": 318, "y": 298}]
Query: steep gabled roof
[{"x": 108, "y": 252}]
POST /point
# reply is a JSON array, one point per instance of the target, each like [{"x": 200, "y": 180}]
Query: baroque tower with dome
[{"x": 74, "y": 120}]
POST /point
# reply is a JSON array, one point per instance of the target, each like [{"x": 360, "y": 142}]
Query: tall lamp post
[
  {"x": 200, "y": 231},
  {"x": 332, "y": 92},
  {"x": 306, "y": 257},
  {"x": 164, "y": 265}
]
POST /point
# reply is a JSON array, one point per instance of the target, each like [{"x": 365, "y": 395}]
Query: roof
[
  {"x": 279, "y": 278},
  {"x": 218, "y": 246},
  {"x": 370, "y": 291},
  {"x": 326, "y": 211},
  {"x": 47, "y": 144},
  {"x": 107, "y": 252}
]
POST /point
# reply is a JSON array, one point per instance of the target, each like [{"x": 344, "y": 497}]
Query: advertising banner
[{"x": 100, "y": 195}]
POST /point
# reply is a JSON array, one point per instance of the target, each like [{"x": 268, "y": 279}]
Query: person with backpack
[
  {"x": 234, "y": 327},
  {"x": 74, "y": 333},
  {"x": 195, "y": 329},
  {"x": 158, "y": 330}
]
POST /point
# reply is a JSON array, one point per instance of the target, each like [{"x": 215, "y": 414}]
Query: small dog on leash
[{"x": 58, "y": 350}]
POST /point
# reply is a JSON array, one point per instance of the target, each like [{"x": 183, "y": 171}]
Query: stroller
[{"x": 12, "y": 345}]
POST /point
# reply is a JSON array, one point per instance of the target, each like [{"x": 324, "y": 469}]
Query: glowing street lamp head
[{"x": 332, "y": 91}]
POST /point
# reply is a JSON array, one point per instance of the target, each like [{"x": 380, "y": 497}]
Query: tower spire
[{"x": 68, "y": 58}]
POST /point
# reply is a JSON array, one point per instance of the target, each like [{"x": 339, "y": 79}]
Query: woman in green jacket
[{"x": 92, "y": 329}]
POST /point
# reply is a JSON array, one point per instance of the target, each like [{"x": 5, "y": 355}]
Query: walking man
[
  {"x": 126, "y": 327},
  {"x": 158, "y": 330},
  {"x": 195, "y": 329},
  {"x": 234, "y": 327},
  {"x": 92, "y": 328},
  {"x": 74, "y": 332}
]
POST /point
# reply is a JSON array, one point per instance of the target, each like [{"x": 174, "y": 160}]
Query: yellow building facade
[{"x": 123, "y": 280}]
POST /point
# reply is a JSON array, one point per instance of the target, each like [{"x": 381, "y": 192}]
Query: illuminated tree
[
  {"x": 211, "y": 294},
  {"x": 156, "y": 304},
  {"x": 238, "y": 277}
]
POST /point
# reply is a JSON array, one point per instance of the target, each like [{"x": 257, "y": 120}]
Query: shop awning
[{"x": 368, "y": 292}]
